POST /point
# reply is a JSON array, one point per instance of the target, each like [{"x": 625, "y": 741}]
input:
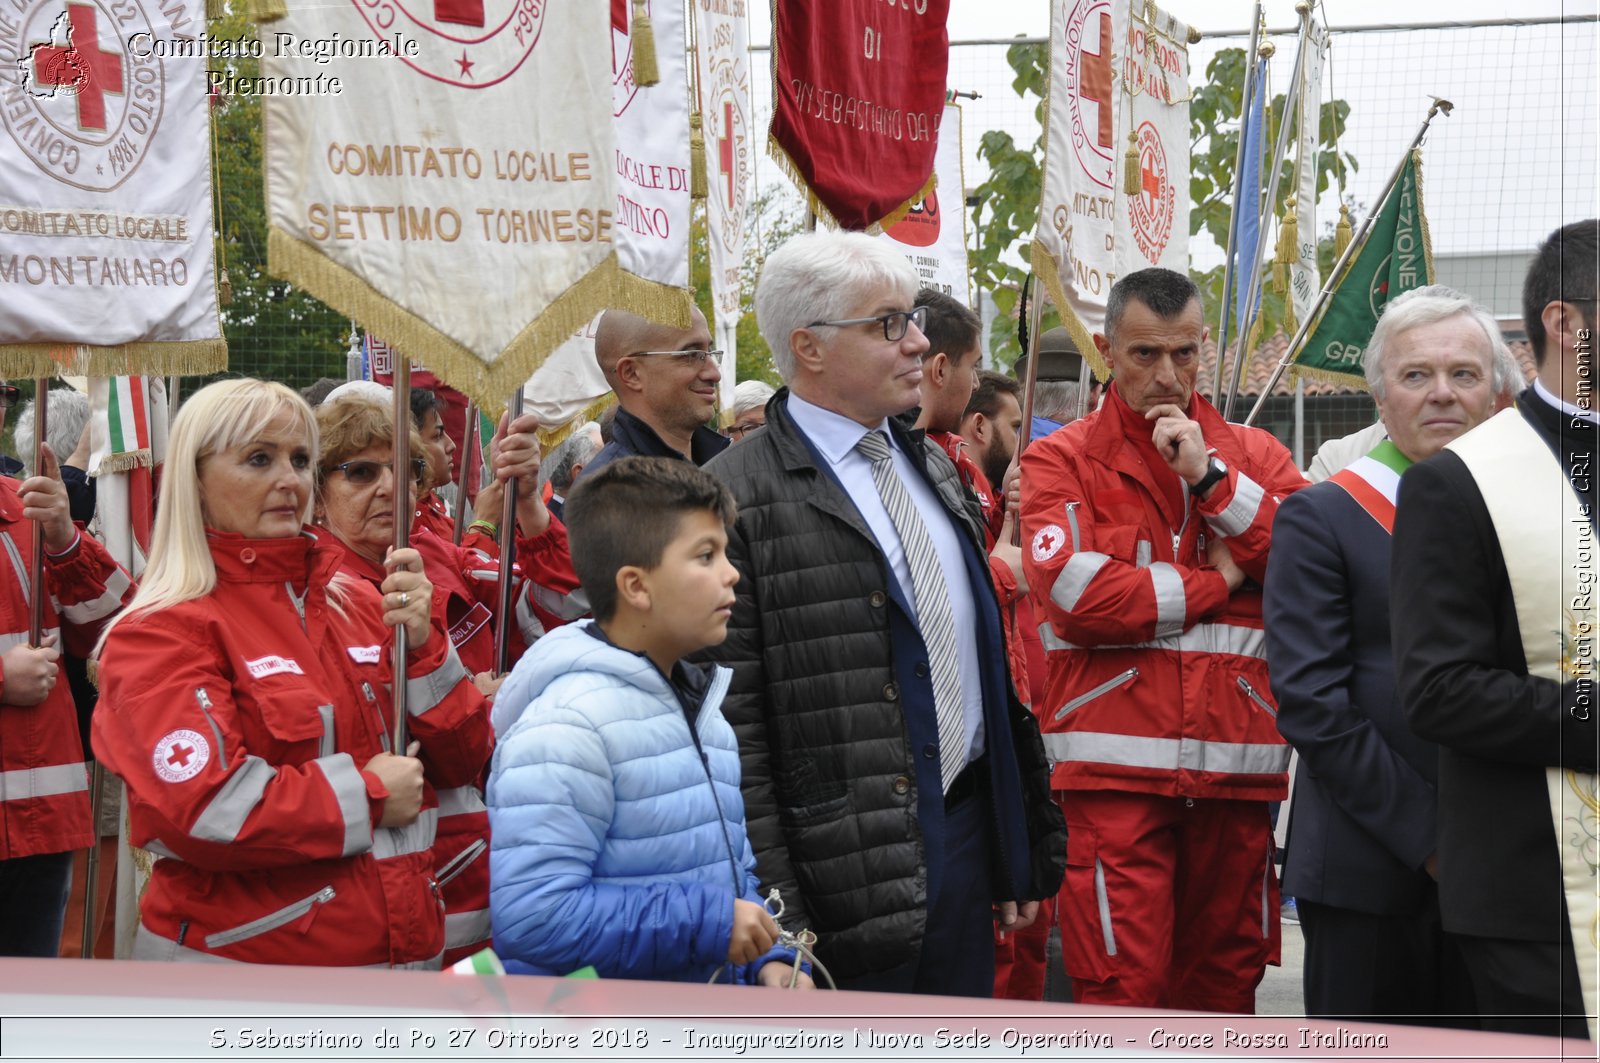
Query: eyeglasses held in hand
[
  {"x": 894, "y": 325},
  {"x": 9, "y": 394},
  {"x": 365, "y": 473},
  {"x": 694, "y": 357}
]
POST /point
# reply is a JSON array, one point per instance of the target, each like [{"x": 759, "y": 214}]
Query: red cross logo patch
[
  {"x": 180, "y": 755},
  {"x": 1047, "y": 542}
]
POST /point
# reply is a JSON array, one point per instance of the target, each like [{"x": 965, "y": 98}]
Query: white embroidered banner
[
  {"x": 1152, "y": 220},
  {"x": 933, "y": 234},
  {"x": 652, "y": 148},
  {"x": 105, "y": 191},
  {"x": 1305, "y": 280}
]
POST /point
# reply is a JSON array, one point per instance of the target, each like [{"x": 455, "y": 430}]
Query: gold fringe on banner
[
  {"x": 792, "y": 172},
  {"x": 550, "y": 438},
  {"x": 176, "y": 358},
  {"x": 606, "y": 285},
  {"x": 1327, "y": 376},
  {"x": 266, "y": 10},
  {"x": 125, "y": 462},
  {"x": 697, "y": 156},
  {"x": 1046, "y": 272},
  {"x": 646, "y": 71}
]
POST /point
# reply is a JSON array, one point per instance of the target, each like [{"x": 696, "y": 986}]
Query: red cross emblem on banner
[
  {"x": 81, "y": 66},
  {"x": 1095, "y": 84},
  {"x": 725, "y": 148},
  {"x": 459, "y": 12},
  {"x": 1150, "y": 183}
]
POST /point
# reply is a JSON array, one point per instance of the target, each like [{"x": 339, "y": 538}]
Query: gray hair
[
  {"x": 69, "y": 413},
  {"x": 1056, "y": 399},
  {"x": 1426, "y": 306},
  {"x": 820, "y": 276},
  {"x": 579, "y": 448},
  {"x": 750, "y": 395}
]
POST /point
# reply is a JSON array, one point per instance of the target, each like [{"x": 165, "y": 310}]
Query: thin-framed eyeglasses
[
  {"x": 691, "y": 356},
  {"x": 364, "y": 472},
  {"x": 895, "y": 324},
  {"x": 9, "y": 394},
  {"x": 743, "y": 428}
]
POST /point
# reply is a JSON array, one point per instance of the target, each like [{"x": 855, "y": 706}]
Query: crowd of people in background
[{"x": 870, "y": 681}]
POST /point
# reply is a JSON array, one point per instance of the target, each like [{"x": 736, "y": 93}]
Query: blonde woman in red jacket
[{"x": 244, "y": 704}]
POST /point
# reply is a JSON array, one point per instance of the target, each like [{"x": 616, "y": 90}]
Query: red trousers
[
  {"x": 1169, "y": 902},
  {"x": 1020, "y": 957}
]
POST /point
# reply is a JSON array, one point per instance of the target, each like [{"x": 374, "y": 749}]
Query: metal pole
[
  {"x": 91, "y": 877},
  {"x": 508, "y": 551},
  {"x": 1290, "y": 99},
  {"x": 469, "y": 440},
  {"x": 41, "y": 427},
  {"x": 1036, "y": 319},
  {"x": 1233, "y": 218},
  {"x": 1349, "y": 253},
  {"x": 1300, "y": 423},
  {"x": 403, "y": 516}
]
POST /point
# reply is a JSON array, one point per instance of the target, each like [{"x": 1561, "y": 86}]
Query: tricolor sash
[
  {"x": 1374, "y": 482},
  {"x": 1552, "y": 570}
]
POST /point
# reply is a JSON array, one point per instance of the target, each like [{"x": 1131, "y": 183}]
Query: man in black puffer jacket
[{"x": 896, "y": 791}]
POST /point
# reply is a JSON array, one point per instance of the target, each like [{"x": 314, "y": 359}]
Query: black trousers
[
  {"x": 33, "y": 903},
  {"x": 1399, "y": 968},
  {"x": 1526, "y": 986}
]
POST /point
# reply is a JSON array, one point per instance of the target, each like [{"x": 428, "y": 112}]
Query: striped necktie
[{"x": 935, "y": 617}]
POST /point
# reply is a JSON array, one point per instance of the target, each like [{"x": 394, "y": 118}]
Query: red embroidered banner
[{"x": 859, "y": 88}]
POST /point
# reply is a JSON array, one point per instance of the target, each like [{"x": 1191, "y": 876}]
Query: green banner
[{"x": 1395, "y": 258}]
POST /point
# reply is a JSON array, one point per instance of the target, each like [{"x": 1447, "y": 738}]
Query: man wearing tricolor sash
[
  {"x": 1362, "y": 835},
  {"x": 1494, "y": 627}
]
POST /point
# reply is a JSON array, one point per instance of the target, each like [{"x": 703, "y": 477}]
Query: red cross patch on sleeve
[{"x": 180, "y": 755}]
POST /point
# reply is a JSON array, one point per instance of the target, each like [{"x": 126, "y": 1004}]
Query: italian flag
[{"x": 129, "y": 442}]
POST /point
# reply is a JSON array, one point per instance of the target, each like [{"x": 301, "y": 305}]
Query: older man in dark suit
[{"x": 1361, "y": 861}]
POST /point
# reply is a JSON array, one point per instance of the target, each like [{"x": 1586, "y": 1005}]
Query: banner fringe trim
[
  {"x": 1327, "y": 376},
  {"x": 266, "y": 10},
  {"x": 125, "y": 462},
  {"x": 787, "y": 167},
  {"x": 1046, "y": 270},
  {"x": 143, "y": 358},
  {"x": 549, "y": 438}
]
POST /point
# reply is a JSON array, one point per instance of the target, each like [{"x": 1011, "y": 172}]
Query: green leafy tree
[
  {"x": 774, "y": 215},
  {"x": 1008, "y": 201},
  {"x": 274, "y": 330}
]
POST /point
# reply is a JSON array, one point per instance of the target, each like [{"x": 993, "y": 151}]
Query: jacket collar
[
  {"x": 297, "y": 559},
  {"x": 637, "y": 437},
  {"x": 349, "y": 560},
  {"x": 796, "y": 454}
]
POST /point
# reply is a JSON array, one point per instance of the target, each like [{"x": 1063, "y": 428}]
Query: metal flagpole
[
  {"x": 41, "y": 426},
  {"x": 508, "y": 550},
  {"x": 1290, "y": 99},
  {"x": 403, "y": 515},
  {"x": 1233, "y": 219},
  {"x": 91, "y": 876},
  {"x": 1035, "y": 312},
  {"x": 1334, "y": 275},
  {"x": 469, "y": 439}
]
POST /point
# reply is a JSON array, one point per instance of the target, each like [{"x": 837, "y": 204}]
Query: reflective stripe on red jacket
[
  {"x": 241, "y": 722},
  {"x": 44, "y": 782},
  {"x": 1158, "y": 677}
]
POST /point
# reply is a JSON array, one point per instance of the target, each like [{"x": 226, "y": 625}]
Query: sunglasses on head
[
  {"x": 9, "y": 394},
  {"x": 364, "y": 473}
]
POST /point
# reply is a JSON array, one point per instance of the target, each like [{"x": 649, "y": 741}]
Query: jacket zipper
[
  {"x": 282, "y": 916},
  {"x": 1072, "y": 521},
  {"x": 1121, "y": 679},
  {"x": 204, "y": 701},
  {"x": 299, "y": 601},
  {"x": 459, "y": 862},
  {"x": 383, "y": 726},
  {"x": 1261, "y": 702}
]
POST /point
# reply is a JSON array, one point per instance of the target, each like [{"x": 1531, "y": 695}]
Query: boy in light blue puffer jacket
[{"x": 616, "y": 823}]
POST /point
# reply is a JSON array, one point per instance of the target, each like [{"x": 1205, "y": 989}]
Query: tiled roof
[{"x": 1270, "y": 353}]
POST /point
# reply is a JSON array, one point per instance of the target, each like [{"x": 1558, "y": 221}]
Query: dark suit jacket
[
  {"x": 1464, "y": 683},
  {"x": 1364, "y": 812}
]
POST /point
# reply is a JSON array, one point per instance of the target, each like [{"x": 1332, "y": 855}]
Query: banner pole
[
  {"x": 508, "y": 551},
  {"x": 1024, "y": 437},
  {"x": 403, "y": 515},
  {"x": 1334, "y": 274},
  {"x": 1251, "y": 64},
  {"x": 91, "y": 875},
  {"x": 41, "y": 427},
  {"x": 469, "y": 440},
  {"x": 1253, "y": 290}
]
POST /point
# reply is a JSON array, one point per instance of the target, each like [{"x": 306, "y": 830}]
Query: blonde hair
[{"x": 217, "y": 418}]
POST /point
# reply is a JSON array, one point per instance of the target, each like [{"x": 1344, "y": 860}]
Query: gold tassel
[
  {"x": 216, "y": 9},
  {"x": 697, "y": 156},
  {"x": 224, "y": 288},
  {"x": 1342, "y": 233},
  {"x": 268, "y": 10},
  {"x": 1288, "y": 248},
  {"x": 645, "y": 70},
  {"x": 1131, "y": 182}
]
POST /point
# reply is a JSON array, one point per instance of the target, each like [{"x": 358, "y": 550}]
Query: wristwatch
[{"x": 1215, "y": 471}]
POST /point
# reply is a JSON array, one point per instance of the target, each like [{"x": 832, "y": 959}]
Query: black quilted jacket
[{"x": 828, "y": 771}]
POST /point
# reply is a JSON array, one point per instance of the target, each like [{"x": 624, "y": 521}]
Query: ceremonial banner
[
  {"x": 1152, "y": 216},
  {"x": 1247, "y": 211},
  {"x": 1305, "y": 279},
  {"x": 446, "y": 174},
  {"x": 568, "y": 389},
  {"x": 858, "y": 87},
  {"x": 105, "y": 190},
  {"x": 1395, "y": 257},
  {"x": 722, "y": 47},
  {"x": 934, "y": 239},
  {"x": 652, "y": 148}
]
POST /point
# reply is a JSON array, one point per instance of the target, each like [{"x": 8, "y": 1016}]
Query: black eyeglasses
[
  {"x": 9, "y": 394},
  {"x": 739, "y": 430},
  {"x": 694, "y": 357},
  {"x": 365, "y": 473},
  {"x": 894, "y": 325}
]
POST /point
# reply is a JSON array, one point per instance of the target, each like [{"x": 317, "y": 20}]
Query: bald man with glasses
[{"x": 665, "y": 380}]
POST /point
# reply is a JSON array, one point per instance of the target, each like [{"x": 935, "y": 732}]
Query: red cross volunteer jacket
[
  {"x": 241, "y": 722},
  {"x": 44, "y": 783},
  {"x": 1157, "y": 675}
]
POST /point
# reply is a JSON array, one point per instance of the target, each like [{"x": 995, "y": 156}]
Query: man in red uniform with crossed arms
[{"x": 1146, "y": 526}]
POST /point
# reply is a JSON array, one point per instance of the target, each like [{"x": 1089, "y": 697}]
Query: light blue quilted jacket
[{"x": 615, "y": 841}]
